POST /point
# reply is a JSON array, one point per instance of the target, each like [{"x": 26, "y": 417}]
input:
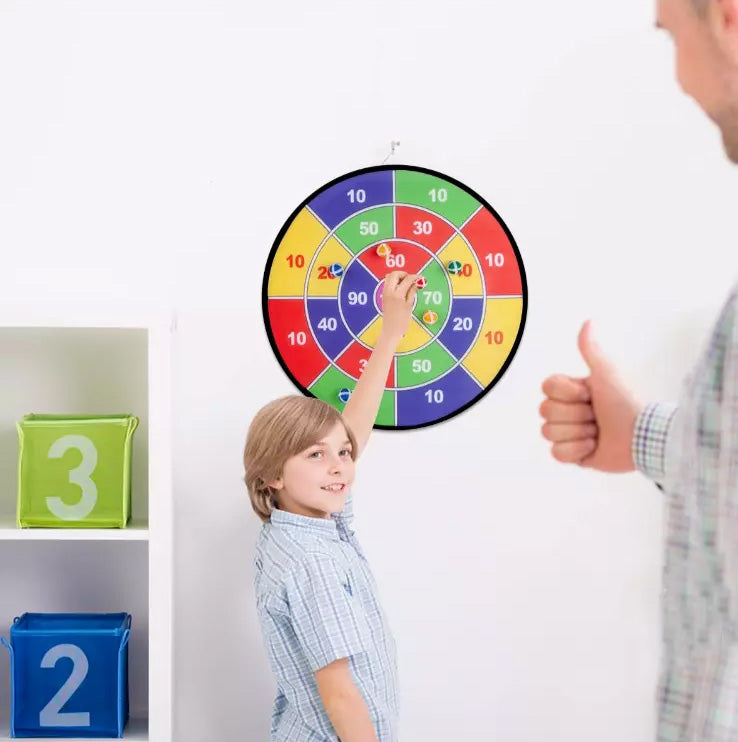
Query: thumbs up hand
[{"x": 590, "y": 421}]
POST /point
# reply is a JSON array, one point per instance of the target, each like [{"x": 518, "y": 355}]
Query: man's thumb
[{"x": 588, "y": 347}]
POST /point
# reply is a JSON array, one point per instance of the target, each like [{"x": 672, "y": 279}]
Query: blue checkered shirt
[
  {"x": 691, "y": 450},
  {"x": 317, "y": 603}
]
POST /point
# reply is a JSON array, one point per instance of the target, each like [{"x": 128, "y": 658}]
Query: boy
[{"x": 329, "y": 645}]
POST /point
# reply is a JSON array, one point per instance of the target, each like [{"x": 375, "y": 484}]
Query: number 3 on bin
[{"x": 79, "y": 476}]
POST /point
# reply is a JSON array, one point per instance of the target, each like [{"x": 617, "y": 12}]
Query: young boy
[{"x": 329, "y": 645}]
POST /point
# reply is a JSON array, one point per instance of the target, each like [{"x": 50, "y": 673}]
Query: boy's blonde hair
[{"x": 280, "y": 430}]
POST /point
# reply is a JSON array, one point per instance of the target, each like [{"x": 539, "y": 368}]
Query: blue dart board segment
[
  {"x": 328, "y": 327},
  {"x": 342, "y": 200},
  {"x": 358, "y": 298},
  {"x": 437, "y": 398}
]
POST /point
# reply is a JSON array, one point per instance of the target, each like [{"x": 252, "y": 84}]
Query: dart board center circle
[{"x": 379, "y": 296}]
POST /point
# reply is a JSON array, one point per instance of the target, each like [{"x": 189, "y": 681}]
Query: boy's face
[{"x": 316, "y": 481}]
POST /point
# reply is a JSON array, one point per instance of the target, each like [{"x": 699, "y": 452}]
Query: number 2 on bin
[
  {"x": 79, "y": 476},
  {"x": 51, "y": 715}
]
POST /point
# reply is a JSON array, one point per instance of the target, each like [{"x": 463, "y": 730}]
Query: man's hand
[{"x": 590, "y": 421}]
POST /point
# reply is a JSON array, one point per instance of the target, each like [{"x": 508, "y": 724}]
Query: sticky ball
[
  {"x": 336, "y": 270},
  {"x": 421, "y": 282},
  {"x": 454, "y": 267},
  {"x": 344, "y": 395},
  {"x": 430, "y": 317},
  {"x": 383, "y": 250}
]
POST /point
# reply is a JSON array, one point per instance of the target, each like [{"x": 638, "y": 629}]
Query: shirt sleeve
[
  {"x": 328, "y": 619},
  {"x": 650, "y": 439}
]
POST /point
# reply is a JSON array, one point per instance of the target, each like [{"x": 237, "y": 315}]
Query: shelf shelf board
[
  {"x": 137, "y": 730},
  {"x": 135, "y": 531},
  {"x": 81, "y": 315}
]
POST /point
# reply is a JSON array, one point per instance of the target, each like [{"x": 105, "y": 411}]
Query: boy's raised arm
[{"x": 397, "y": 306}]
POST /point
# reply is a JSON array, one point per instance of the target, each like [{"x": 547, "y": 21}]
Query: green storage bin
[{"x": 74, "y": 471}]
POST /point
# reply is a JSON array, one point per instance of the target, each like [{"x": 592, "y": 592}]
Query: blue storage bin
[{"x": 69, "y": 674}]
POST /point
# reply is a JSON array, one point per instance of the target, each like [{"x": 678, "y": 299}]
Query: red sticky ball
[{"x": 421, "y": 282}]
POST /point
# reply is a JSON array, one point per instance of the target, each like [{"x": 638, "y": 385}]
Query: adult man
[{"x": 691, "y": 450}]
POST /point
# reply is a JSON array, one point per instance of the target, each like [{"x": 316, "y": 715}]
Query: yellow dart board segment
[
  {"x": 293, "y": 257},
  {"x": 467, "y": 280},
  {"x": 415, "y": 337},
  {"x": 322, "y": 281},
  {"x": 502, "y": 319}
]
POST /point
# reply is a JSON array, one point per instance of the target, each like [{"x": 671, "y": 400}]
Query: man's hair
[{"x": 280, "y": 430}]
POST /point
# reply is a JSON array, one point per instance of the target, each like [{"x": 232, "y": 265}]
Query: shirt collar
[{"x": 324, "y": 527}]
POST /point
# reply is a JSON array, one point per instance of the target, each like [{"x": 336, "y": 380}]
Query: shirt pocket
[{"x": 349, "y": 584}]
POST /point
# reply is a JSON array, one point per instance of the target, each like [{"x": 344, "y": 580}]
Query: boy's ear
[{"x": 276, "y": 484}]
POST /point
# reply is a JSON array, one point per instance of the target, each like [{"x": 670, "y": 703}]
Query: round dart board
[{"x": 322, "y": 291}]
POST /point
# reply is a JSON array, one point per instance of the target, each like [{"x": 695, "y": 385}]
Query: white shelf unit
[
  {"x": 136, "y": 731},
  {"x": 88, "y": 360}
]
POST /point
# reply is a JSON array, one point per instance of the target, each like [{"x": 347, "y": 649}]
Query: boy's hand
[{"x": 398, "y": 299}]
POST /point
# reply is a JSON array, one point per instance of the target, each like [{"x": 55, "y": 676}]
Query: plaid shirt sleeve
[
  {"x": 650, "y": 439},
  {"x": 327, "y": 618}
]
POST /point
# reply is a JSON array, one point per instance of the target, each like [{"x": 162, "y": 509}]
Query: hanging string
[{"x": 394, "y": 144}]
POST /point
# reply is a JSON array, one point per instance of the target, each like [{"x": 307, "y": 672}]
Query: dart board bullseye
[{"x": 322, "y": 291}]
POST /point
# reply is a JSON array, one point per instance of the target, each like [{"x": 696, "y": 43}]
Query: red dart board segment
[
  {"x": 423, "y": 227},
  {"x": 496, "y": 255},
  {"x": 294, "y": 339},
  {"x": 404, "y": 256}
]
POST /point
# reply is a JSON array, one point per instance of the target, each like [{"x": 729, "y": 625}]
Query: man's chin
[
  {"x": 731, "y": 149},
  {"x": 728, "y": 125}
]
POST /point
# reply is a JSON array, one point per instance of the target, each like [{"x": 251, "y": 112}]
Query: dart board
[{"x": 322, "y": 291}]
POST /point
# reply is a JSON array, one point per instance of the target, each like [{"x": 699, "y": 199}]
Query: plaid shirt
[
  {"x": 316, "y": 600},
  {"x": 692, "y": 451}
]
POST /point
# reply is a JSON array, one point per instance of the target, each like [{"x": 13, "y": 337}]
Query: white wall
[{"x": 152, "y": 150}]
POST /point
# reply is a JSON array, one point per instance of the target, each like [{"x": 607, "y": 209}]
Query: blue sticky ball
[
  {"x": 336, "y": 270},
  {"x": 344, "y": 395}
]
